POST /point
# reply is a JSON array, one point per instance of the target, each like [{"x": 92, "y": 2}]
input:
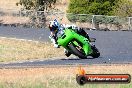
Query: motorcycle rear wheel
[{"x": 95, "y": 53}]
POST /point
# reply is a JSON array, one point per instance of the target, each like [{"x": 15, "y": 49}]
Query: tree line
[
  {"x": 93, "y": 7},
  {"x": 101, "y": 7},
  {"x": 36, "y": 4}
]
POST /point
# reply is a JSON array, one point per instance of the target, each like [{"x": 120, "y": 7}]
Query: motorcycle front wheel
[{"x": 76, "y": 51}]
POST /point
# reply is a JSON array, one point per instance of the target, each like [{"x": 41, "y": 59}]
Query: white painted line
[
  {"x": 20, "y": 39},
  {"x": 20, "y": 62},
  {"x": 31, "y": 61},
  {"x": 41, "y": 60},
  {"x": 40, "y": 37}
]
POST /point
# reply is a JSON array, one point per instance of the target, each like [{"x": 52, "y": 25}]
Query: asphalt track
[
  {"x": 114, "y": 46},
  {"x": 24, "y": 33}
]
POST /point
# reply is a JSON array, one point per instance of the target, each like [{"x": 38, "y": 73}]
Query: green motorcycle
[{"x": 76, "y": 44}]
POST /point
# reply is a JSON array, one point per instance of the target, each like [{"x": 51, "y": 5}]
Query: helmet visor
[{"x": 53, "y": 28}]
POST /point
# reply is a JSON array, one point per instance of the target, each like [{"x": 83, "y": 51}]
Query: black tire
[
  {"x": 95, "y": 53},
  {"x": 76, "y": 52}
]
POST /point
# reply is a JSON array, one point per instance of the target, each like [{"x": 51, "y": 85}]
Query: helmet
[{"x": 53, "y": 25}]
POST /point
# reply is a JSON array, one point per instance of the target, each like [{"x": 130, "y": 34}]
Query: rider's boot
[
  {"x": 56, "y": 45},
  {"x": 67, "y": 53},
  {"x": 54, "y": 42}
]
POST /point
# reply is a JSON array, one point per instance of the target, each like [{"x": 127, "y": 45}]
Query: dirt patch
[
  {"x": 14, "y": 20},
  {"x": 9, "y": 4}
]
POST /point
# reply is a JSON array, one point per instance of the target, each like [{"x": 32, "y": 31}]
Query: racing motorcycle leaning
[{"x": 76, "y": 44}]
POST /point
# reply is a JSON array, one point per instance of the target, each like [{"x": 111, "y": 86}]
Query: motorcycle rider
[{"x": 54, "y": 27}]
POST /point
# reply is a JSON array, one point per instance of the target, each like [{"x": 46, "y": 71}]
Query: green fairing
[{"x": 71, "y": 36}]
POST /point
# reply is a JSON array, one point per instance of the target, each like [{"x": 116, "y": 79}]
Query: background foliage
[
  {"x": 101, "y": 7},
  {"x": 96, "y": 7},
  {"x": 37, "y": 19},
  {"x": 36, "y": 4},
  {"x": 121, "y": 8}
]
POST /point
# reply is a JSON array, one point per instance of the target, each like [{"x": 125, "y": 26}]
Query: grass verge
[
  {"x": 59, "y": 77},
  {"x": 14, "y": 50}
]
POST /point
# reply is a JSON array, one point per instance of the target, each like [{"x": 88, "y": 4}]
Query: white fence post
[
  {"x": 93, "y": 22},
  {"x": 129, "y": 23}
]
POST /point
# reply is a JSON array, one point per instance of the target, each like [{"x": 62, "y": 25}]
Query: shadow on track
[{"x": 77, "y": 58}]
